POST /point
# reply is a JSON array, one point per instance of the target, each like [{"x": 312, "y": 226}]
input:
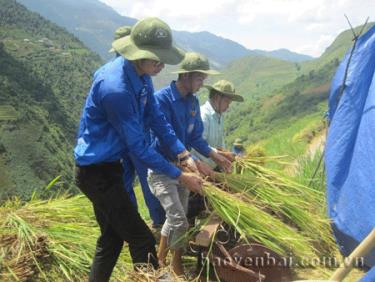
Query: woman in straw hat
[{"x": 118, "y": 111}]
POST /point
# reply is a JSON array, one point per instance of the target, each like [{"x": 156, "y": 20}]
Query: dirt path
[{"x": 315, "y": 146}]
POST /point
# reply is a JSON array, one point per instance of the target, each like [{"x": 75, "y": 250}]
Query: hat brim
[
  {"x": 209, "y": 72},
  {"x": 230, "y": 95},
  {"x": 128, "y": 49},
  {"x": 111, "y": 50},
  {"x": 238, "y": 144}
]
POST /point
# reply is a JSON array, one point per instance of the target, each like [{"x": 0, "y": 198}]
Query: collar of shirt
[
  {"x": 176, "y": 95},
  {"x": 211, "y": 110},
  {"x": 137, "y": 82}
]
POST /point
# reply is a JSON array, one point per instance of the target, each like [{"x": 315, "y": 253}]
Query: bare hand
[
  {"x": 204, "y": 169},
  {"x": 192, "y": 182},
  {"x": 189, "y": 165},
  {"x": 228, "y": 155},
  {"x": 221, "y": 161}
]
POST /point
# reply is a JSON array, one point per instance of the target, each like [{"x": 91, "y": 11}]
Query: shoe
[{"x": 165, "y": 277}]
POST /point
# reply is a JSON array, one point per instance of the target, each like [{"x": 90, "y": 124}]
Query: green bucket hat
[
  {"x": 150, "y": 38},
  {"x": 195, "y": 62},
  {"x": 121, "y": 32},
  {"x": 225, "y": 88},
  {"x": 238, "y": 142}
]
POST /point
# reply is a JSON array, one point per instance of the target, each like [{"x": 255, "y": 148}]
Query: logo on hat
[{"x": 161, "y": 33}]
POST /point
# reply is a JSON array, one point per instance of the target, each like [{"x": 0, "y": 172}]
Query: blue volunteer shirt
[
  {"x": 119, "y": 111},
  {"x": 183, "y": 113}
]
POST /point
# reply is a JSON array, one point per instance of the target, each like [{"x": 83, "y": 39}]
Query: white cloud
[
  {"x": 315, "y": 49},
  {"x": 316, "y": 27},
  {"x": 300, "y": 25}
]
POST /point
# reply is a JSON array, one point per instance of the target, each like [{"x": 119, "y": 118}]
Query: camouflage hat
[
  {"x": 195, "y": 62},
  {"x": 121, "y": 32},
  {"x": 226, "y": 88},
  {"x": 150, "y": 38},
  {"x": 238, "y": 142}
]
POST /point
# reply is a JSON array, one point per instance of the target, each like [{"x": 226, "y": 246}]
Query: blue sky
[{"x": 304, "y": 26}]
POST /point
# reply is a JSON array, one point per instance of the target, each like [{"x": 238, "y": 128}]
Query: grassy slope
[
  {"x": 45, "y": 74},
  {"x": 284, "y": 110}
]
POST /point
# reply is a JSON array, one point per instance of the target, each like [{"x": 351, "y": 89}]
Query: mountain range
[
  {"x": 46, "y": 72},
  {"x": 94, "y": 23}
]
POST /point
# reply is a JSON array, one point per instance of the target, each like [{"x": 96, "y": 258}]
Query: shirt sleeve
[
  {"x": 161, "y": 127},
  {"x": 196, "y": 138},
  {"x": 123, "y": 117}
]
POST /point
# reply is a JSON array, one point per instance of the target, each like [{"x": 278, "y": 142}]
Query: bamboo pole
[{"x": 361, "y": 251}]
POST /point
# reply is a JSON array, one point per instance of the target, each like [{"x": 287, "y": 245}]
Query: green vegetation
[
  {"x": 256, "y": 76},
  {"x": 44, "y": 76},
  {"x": 94, "y": 23},
  {"x": 282, "y": 98},
  {"x": 50, "y": 240},
  {"x": 7, "y": 113},
  {"x": 271, "y": 191},
  {"x": 253, "y": 222},
  {"x": 54, "y": 240}
]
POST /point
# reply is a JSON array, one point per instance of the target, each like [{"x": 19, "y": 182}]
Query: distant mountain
[
  {"x": 221, "y": 51},
  {"x": 91, "y": 21},
  {"x": 94, "y": 23},
  {"x": 256, "y": 76},
  {"x": 45, "y": 73},
  {"x": 284, "y": 54},
  {"x": 275, "y": 110}
]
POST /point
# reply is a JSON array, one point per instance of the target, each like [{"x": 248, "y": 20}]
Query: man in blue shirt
[
  {"x": 113, "y": 125},
  {"x": 180, "y": 106},
  {"x": 132, "y": 166},
  {"x": 238, "y": 148}
]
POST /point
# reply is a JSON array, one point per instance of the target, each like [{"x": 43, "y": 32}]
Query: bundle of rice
[
  {"x": 49, "y": 240},
  {"x": 272, "y": 209},
  {"x": 255, "y": 223}
]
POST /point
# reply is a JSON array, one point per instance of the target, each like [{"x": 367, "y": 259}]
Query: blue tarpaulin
[{"x": 350, "y": 149}]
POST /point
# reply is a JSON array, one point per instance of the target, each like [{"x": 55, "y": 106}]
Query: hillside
[
  {"x": 284, "y": 54},
  {"x": 44, "y": 76},
  {"x": 284, "y": 109},
  {"x": 256, "y": 76},
  {"x": 94, "y": 23},
  {"x": 91, "y": 21}
]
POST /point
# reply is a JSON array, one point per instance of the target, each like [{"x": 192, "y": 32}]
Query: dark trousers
[
  {"x": 195, "y": 207},
  {"x": 117, "y": 217}
]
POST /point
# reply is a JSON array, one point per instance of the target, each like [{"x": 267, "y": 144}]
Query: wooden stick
[{"x": 361, "y": 251}]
